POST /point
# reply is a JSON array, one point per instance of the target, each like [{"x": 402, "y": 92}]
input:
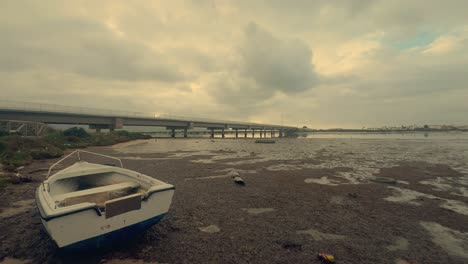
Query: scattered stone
[
  {"x": 353, "y": 195},
  {"x": 19, "y": 168},
  {"x": 256, "y": 211},
  {"x": 318, "y": 236},
  {"x": 210, "y": 229}
]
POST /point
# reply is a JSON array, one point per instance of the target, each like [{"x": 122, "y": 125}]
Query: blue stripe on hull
[{"x": 114, "y": 236}]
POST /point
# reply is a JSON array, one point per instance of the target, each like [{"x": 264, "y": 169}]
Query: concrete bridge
[{"x": 113, "y": 119}]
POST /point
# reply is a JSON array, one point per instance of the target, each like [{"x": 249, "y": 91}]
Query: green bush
[
  {"x": 76, "y": 132},
  {"x": 3, "y": 133},
  {"x": 3, "y": 147}
]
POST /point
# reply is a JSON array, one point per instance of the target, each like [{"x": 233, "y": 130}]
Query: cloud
[
  {"x": 264, "y": 66},
  {"x": 277, "y": 64},
  {"x": 80, "y": 46},
  {"x": 319, "y": 63}
]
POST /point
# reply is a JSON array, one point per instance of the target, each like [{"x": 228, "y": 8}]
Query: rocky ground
[{"x": 289, "y": 210}]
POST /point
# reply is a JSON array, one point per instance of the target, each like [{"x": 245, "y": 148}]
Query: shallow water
[{"x": 363, "y": 156}]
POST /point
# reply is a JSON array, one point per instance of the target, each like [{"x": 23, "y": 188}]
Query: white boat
[{"x": 89, "y": 205}]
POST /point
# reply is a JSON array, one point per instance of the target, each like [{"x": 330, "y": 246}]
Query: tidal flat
[{"x": 364, "y": 200}]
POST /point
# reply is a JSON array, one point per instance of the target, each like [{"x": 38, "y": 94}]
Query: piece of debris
[
  {"x": 384, "y": 180},
  {"x": 326, "y": 258},
  {"x": 38, "y": 170},
  {"x": 237, "y": 179},
  {"x": 353, "y": 195},
  {"x": 18, "y": 178},
  {"x": 19, "y": 168}
]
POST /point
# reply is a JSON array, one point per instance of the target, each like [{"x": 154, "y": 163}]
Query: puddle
[
  {"x": 323, "y": 180},
  {"x": 399, "y": 244},
  {"x": 318, "y": 236},
  {"x": 412, "y": 197},
  {"x": 256, "y": 211},
  {"x": 452, "y": 241},
  {"x": 210, "y": 229},
  {"x": 17, "y": 208}
]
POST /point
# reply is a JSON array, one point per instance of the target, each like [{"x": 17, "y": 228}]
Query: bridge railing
[{"x": 55, "y": 108}]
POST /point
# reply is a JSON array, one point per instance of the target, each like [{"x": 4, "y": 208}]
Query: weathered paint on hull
[{"x": 115, "y": 236}]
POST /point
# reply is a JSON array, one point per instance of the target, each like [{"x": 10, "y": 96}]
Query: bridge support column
[
  {"x": 253, "y": 133},
  {"x": 237, "y": 133},
  {"x": 185, "y": 132},
  {"x": 271, "y": 134},
  {"x": 212, "y": 133},
  {"x": 222, "y": 133},
  {"x": 173, "y": 132},
  {"x": 245, "y": 133},
  {"x": 261, "y": 133},
  {"x": 280, "y": 133}
]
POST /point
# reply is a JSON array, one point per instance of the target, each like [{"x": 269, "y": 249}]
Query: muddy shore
[{"x": 291, "y": 208}]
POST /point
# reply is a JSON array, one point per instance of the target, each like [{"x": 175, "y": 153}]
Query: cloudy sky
[{"x": 342, "y": 63}]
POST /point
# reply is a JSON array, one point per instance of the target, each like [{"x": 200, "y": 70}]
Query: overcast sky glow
[{"x": 343, "y": 63}]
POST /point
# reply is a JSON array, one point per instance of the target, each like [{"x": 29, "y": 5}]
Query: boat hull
[
  {"x": 114, "y": 237},
  {"x": 92, "y": 229}
]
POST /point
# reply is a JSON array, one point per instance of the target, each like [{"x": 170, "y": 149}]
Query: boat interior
[{"x": 95, "y": 188}]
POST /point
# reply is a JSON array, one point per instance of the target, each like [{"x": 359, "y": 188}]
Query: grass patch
[{"x": 18, "y": 151}]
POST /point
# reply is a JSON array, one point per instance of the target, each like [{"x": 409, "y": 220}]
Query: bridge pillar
[
  {"x": 212, "y": 133},
  {"x": 261, "y": 133},
  {"x": 237, "y": 133},
  {"x": 173, "y": 132},
  {"x": 280, "y": 133},
  {"x": 271, "y": 134},
  {"x": 264, "y": 133},
  {"x": 245, "y": 133},
  {"x": 222, "y": 133},
  {"x": 253, "y": 133},
  {"x": 185, "y": 132}
]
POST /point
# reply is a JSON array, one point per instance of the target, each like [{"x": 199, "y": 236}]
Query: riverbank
[
  {"x": 17, "y": 151},
  {"x": 302, "y": 196}
]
